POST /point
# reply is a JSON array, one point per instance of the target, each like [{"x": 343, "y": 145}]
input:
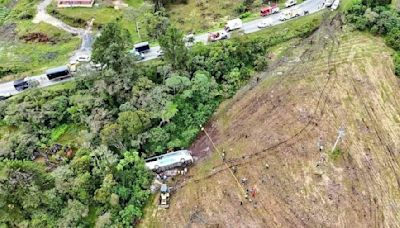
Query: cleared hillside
[{"x": 334, "y": 78}]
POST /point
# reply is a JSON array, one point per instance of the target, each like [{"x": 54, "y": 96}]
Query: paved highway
[{"x": 311, "y": 6}]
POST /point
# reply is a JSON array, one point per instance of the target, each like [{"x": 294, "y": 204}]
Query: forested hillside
[{"x": 72, "y": 155}]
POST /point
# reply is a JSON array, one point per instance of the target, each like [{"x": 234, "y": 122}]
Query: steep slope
[{"x": 333, "y": 79}]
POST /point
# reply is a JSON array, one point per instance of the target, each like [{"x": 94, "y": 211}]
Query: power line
[{"x": 226, "y": 165}]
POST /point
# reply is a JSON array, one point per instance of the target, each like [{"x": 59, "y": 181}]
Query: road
[{"x": 312, "y": 6}]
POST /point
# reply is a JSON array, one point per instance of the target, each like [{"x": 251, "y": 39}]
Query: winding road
[{"x": 7, "y": 89}]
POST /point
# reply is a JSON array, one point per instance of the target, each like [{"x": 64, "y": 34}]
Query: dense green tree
[
  {"x": 373, "y": 3},
  {"x": 22, "y": 146},
  {"x": 110, "y": 49},
  {"x": 397, "y": 64},
  {"x": 156, "y": 23},
  {"x": 74, "y": 214},
  {"x": 22, "y": 184},
  {"x": 248, "y": 4},
  {"x": 177, "y": 83},
  {"x": 175, "y": 51},
  {"x": 393, "y": 39}
]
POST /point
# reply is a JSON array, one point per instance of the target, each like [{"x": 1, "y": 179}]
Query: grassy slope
[{"x": 347, "y": 83}]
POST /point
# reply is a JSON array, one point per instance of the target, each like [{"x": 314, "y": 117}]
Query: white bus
[{"x": 169, "y": 160}]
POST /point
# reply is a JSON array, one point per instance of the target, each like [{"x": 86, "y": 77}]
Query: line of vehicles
[{"x": 139, "y": 49}]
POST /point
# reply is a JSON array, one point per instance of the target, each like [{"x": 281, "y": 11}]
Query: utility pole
[
  {"x": 138, "y": 30},
  {"x": 341, "y": 133}
]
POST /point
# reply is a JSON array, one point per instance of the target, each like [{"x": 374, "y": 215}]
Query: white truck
[
  {"x": 169, "y": 160},
  {"x": 291, "y": 13},
  {"x": 290, "y": 3},
  {"x": 233, "y": 24}
]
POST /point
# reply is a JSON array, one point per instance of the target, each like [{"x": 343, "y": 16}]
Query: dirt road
[
  {"x": 84, "y": 34},
  {"x": 273, "y": 134}
]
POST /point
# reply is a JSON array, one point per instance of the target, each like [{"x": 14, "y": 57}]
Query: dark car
[
  {"x": 2, "y": 97},
  {"x": 21, "y": 85}
]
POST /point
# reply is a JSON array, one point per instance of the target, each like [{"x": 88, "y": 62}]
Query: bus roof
[
  {"x": 57, "y": 69},
  {"x": 141, "y": 44}
]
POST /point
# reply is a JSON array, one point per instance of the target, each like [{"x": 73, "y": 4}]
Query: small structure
[
  {"x": 164, "y": 196},
  {"x": 74, "y": 3}
]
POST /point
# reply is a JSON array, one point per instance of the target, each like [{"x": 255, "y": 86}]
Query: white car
[
  {"x": 83, "y": 58},
  {"x": 265, "y": 23},
  {"x": 335, "y": 4},
  {"x": 169, "y": 160},
  {"x": 290, "y": 3},
  {"x": 328, "y": 3}
]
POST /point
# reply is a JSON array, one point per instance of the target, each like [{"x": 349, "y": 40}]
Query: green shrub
[
  {"x": 56, "y": 133},
  {"x": 240, "y": 8},
  {"x": 397, "y": 65},
  {"x": 245, "y": 15},
  {"x": 393, "y": 39}
]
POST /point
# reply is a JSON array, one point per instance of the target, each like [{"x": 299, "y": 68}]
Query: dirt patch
[
  {"x": 203, "y": 146},
  {"x": 37, "y": 37}
]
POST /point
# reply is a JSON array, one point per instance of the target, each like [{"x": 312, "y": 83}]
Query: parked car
[
  {"x": 83, "y": 58},
  {"x": 265, "y": 23},
  {"x": 21, "y": 84},
  {"x": 215, "y": 36},
  {"x": 328, "y": 3},
  {"x": 290, "y": 3},
  {"x": 4, "y": 97}
]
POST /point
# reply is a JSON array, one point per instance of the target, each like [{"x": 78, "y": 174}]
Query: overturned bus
[{"x": 169, "y": 160}]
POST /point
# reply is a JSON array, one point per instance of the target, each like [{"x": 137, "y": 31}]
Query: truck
[
  {"x": 215, "y": 36},
  {"x": 58, "y": 73},
  {"x": 269, "y": 10},
  {"x": 164, "y": 196},
  {"x": 233, "y": 24},
  {"x": 290, "y": 3},
  {"x": 142, "y": 47},
  {"x": 169, "y": 160},
  {"x": 291, "y": 13}
]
